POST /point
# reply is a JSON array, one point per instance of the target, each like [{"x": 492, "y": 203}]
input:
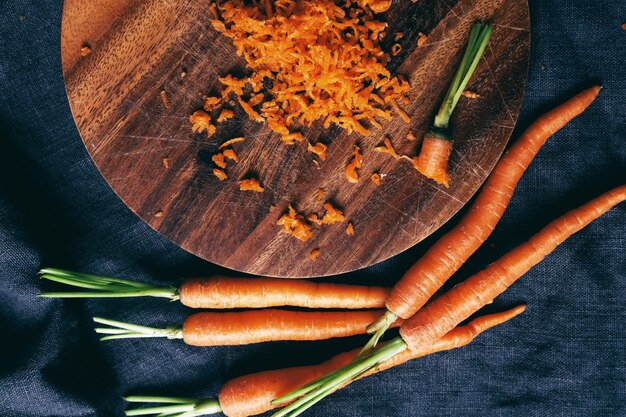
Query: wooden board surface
[{"x": 141, "y": 47}]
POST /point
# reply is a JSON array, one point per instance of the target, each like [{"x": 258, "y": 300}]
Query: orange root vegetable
[
  {"x": 246, "y": 327},
  {"x": 220, "y": 292},
  {"x": 443, "y": 314},
  {"x": 432, "y": 161},
  {"x": 228, "y": 293},
  {"x": 451, "y": 251},
  {"x": 253, "y": 394}
]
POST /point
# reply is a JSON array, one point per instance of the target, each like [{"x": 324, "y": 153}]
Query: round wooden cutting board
[{"x": 147, "y": 152}]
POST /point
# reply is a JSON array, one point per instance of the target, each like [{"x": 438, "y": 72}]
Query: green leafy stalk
[
  {"x": 178, "y": 407},
  {"x": 121, "y": 330},
  {"x": 479, "y": 37},
  {"x": 378, "y": 329},
  {"x": 332, "y": 382},
  {"x": 102, "y": 287}
]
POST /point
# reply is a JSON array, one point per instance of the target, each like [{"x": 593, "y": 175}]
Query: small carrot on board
[
  {"x": 451, "y": 251},
  {"x": 220, "y": 292},
  {"x": 442, "y": 315},
  {"x": 246, "y": 327},
  {"x": 254, "y": 394},
  {"x": 432, "y": 161}
]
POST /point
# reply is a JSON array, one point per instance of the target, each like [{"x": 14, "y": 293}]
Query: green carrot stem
[
  {"x": 183, "y": 407},
  {"x": 340, "y": 377},
  {"x": 164, "y": 400},
  {"x": 122, "y": 330},
  {"x": 378, "y": 329},
  {"x": 104, "y": 287},
  {"x": 479, "y": 37}
]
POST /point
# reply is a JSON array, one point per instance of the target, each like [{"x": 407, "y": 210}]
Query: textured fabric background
[{"x": 565, "y": 356}]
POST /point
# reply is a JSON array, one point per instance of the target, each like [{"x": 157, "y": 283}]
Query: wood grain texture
[{"x": 140, "y": 47}]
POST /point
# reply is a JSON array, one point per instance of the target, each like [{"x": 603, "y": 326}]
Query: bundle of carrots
[{"x": 423, "y": 329}]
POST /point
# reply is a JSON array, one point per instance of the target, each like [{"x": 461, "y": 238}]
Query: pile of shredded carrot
[{"x": 310, "y": 60}]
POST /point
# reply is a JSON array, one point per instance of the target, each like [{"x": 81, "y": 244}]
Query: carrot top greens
[
  {"x": 102, "y": 287},
  {"x": 479, "y": 37}
]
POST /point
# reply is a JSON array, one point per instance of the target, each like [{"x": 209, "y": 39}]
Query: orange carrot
[
  {"x": 442, "y": 315},
  {"x": 451, "y": 251},
  {"x": 432, "y": 161},
  {"x": 220, "y": 292},
  {"x": 224, "y": 292},
  {"x": 253, "y": 394},
  {"x": 246, "y": 327}
]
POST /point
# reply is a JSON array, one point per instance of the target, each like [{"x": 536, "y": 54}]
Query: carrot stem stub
[{"x": 432, "y": 161}]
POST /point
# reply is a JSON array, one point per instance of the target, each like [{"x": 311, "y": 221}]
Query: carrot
[
  {"x": 442, "y": 315},
  {"x": 246, "y": 327},
  {"x": 254, "y": 394},
  {"x": 432, "y": 161},
  {"x": 220, "y": 292},
  {"x": 451, "y": 251}
]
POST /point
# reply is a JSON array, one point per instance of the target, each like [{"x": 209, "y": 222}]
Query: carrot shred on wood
[
  {"x": 218, "y": 159},
  {"x": 318, "y": 149},
  {"x": 421, "y": 40},
  {"x": 470, "y": 94},
  {"x": 350, "y": 229},
  {"x": 212, "y": 103},
  {"x": 201, "y": 122},
  {"x": 293, "y": 223},
  {"x": 231, "y": 141},
  {"x": 332, "y": 215},
  {"x": 225, "y": 114},
  {"x": 353, "y": 166},
  {"x": 251, "y": 184},
  {"x": 314, "y": 254},
  {"x": 220, "y": 174},
  {"x": 376, "y": 178},
  {"x": 387, "y": 147},
  {"x": 230, "y": 154}
]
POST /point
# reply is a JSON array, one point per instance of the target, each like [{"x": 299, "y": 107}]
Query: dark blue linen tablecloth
[{"x": 565, "y": 356}]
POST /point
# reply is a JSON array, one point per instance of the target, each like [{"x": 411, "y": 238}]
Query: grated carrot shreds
[
  {"x": 470, "y": 94},
  {"x": 230, "y": 154},
  {"x": 251, "y": 184},
  {"x": 314, "y": 254},
  {"x": 353, "y": 166},
  {"x": 350, "y": 229},
  {"x": 212, "y": 103},
  {"x": 332, "y": 71},
  {"x": 376, "y": 178},
  {"x": 387, "y": 148},
  {"x": 421, "y": 40},
  {"x": 225, "y": 114},
  {"x": 293, "y": 224},
  {"x": 332, "y": 215},
  {"x": 318, "y": 149},
  {"x": 218, "y": 159},
  {"x": 319, "y": 195},
  {"x": 231, "y": 141},
  {"x": 403, "y": 115},
  {"x": 200, "y": 122},
  {"x": 220, "y": 174}
]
